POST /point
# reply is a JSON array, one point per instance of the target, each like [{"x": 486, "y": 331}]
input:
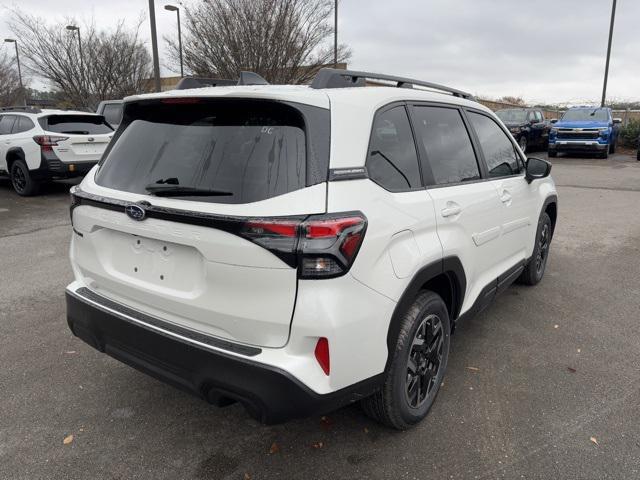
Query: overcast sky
[{"x": 542, "y": 50}]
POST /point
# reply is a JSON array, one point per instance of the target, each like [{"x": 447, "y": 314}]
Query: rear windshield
[
  {"x": 252, "y": 150},
  {"x": 75, "y": 124}
]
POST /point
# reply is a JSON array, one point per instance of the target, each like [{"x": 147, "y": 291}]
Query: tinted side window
[
  {"x": 447, "y": 144},
  {"x": 113, "y": 113},
  {"x": 498, "y": 150},
  {"x": 393, "y": 161},
  {"x": 6, "y": 124},
  {"x": 538, "y": 116},
  {"x": 23, "y": 124}
]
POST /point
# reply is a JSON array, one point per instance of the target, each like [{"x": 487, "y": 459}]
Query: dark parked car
[
  {"x": 528, "y": 127},
  {"x": 638, "y": 155}
]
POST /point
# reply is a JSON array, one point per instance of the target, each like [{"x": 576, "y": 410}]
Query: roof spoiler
[
  {"x": 246, "y": 78},
  {"x": 336, "y": 78},
  {"x": 18, "y": 108}
]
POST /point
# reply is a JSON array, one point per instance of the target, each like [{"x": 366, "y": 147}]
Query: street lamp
[
  {"x": 154, "y": 46},
  {"x": 73, "y": 28},
  {"x": 335, "y": 35},
  {"x": 15, "y": 42},
  {"x": 172, "y": 8},
  {"x": 606, "y": 68}
]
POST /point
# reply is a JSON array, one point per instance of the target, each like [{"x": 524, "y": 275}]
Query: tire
[
  {"x": 406, "y": 398},
  {"x": 523, "y": 142},
  {"x": 612, "y": 147},
  {"x": 638, "y": 155},
  {"x": 534, "y": 271},
  {"x": 552, "y": 154},
  {"x": 21, "y": 179}
]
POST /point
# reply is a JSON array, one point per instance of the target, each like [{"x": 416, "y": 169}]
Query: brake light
[
  {"x": 47, "y": 142},
  {"x": 321, "y": 246},
  {"x": 329, "y": 244},
  {"x": 181, "y": 100},
  {"x": 322, "y": 355}
]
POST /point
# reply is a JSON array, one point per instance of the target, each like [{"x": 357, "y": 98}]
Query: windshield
[
  {"x": 586, "y": 115},
  {"x": 75, "y": 124},
  {"x": 512, "y": 115},
  {"x": 250, "y": 150}
]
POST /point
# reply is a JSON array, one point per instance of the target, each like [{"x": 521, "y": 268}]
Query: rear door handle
[{"x": 451, "y": 210}]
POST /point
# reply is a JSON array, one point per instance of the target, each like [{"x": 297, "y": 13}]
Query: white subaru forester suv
[
  {"x": 298, "y": 248},
  {"x": 41, "y": 145}
]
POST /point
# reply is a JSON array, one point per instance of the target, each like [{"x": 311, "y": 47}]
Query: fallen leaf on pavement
[
  {"x": 366, "y": 430},
  {"x": 68, "y": 439},
  {"x": 556, "y": 326},
  {"x": 318, "y": 445},
  {"x": 70, "y": 352},
  {"x": 474, "y": 369},
  {"x": 274, "y": 448},
  {"x": 247, "y": 476},
  {"x": 594, "y": 440},
  {"x": 571, "y": 369}
]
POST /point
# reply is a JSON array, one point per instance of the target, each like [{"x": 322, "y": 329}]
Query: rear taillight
[
  {"x": 329, "y": 244},
  {"x": 321, "y": 246},
  {"x": 47, "y": 142}
]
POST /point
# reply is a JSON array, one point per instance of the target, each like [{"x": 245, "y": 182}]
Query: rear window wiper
[{"x": 168, "y": 190}]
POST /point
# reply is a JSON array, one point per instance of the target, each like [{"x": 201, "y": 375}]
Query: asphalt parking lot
[{"x": 545, "y": 384}]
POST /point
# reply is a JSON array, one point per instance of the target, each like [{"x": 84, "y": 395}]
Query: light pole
[
  {"x": 15, "y": 42},
  {"x": 335, "y": 35},
  {"x": 154, "y": 46},
  {"x": 172, "y": 8},
  {"x": 73, "y": 28},
  {"x": 606, "y": 68}
]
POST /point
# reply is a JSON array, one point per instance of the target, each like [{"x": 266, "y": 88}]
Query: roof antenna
[{"x": 250, "y": 78}]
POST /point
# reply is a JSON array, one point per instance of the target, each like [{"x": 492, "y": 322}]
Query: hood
[
  {"x": 582, "y": 124},
  {"x": 515, "y": 124}
]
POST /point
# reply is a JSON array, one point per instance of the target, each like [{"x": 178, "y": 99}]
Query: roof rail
[
  {"x": 246, "y": 78},
  {"x": 19, "y": 108},
  {"x": 335, "y": 78}
]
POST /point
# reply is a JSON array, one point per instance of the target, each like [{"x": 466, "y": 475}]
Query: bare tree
[
  {"x": 512, "y": 100},
  {"x": 9, "y": 82},
  {"x": 282, "y": 40},
  {"x": 116, "y": 63}
]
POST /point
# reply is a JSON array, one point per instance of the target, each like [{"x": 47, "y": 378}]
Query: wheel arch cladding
[
  {"x": 14, "y": 154},
  {"x": 444, "y": 277},
  {"x": 550, "y": 207}
]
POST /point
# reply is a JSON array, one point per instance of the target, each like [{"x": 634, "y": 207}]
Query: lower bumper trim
[{"x": 269, "y": 394}]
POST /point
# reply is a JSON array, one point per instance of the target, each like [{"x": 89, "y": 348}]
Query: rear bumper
[
  {"x": 52, "y": 167},
  {"x": 577, "y": 146},
  {"x": 269, "y": 394}
]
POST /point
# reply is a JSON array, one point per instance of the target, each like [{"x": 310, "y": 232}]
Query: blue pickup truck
[{"x": 585, "y": 130}]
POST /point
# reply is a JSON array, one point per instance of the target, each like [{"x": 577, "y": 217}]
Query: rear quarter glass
[{"x": 252, "y": 149}]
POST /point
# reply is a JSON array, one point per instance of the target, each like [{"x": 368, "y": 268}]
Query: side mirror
[
  {"x": 537, "y": 168},
  {"x": 553, "y": 120},
  {"x": 617, "y": 120}
]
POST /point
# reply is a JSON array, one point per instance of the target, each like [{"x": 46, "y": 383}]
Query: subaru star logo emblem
[
  {"x": 135, "y": 212},
  {"x": 90, "y": 139}
]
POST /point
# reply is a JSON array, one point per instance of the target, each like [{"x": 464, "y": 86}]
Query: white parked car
[
  {"x": 41, "y": 145},
  {"x": 297, "y": 248}
]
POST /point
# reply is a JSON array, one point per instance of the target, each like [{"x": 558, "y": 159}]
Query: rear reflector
[{"x": 322, "y": 355}]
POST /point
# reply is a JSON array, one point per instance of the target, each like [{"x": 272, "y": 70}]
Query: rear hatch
[
  {"x": 193, "y": 215},
  {"x": 77, "y": 138}
]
